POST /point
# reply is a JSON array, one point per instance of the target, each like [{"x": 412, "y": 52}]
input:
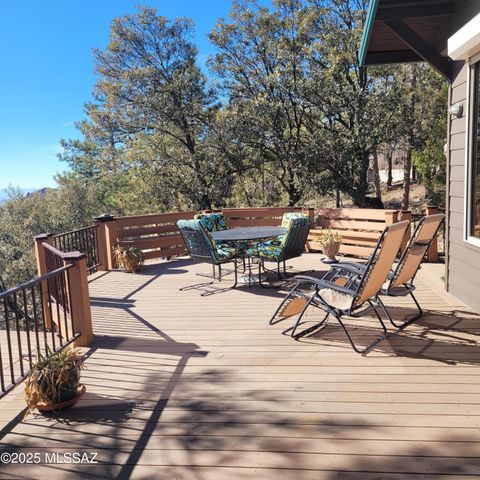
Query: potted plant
[
  {"x": 54, "y": 381},
  {"x": 330, "y": 243},
  {"x": 129, "y": 257}
]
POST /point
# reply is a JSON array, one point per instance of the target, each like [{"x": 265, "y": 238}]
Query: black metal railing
[
  {"x": 57, "y": 284},
  {"x": 83, "y": 240},
  {"x": 34, "y": 317}
]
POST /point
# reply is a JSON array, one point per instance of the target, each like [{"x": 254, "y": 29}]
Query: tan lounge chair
[
  {"x": 400, "y": 279},
  {"x": 339, "y": 293}
]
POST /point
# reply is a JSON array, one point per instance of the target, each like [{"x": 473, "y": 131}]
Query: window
[{"x": 473, "y": 177}]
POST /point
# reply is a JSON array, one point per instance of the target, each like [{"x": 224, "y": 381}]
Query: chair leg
[
  {"x": 208, "y": 275},
  {"x": 235, "y": 272},
  {"x": 408, "y": 321},
  {"x": 337, "y": 315},
  {"x": 311, "y": 329}
]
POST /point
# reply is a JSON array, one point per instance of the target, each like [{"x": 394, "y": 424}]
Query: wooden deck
[{"x": 182, "y": 386}]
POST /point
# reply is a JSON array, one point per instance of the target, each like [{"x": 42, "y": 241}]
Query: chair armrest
[
  {"x": 358, "y": 268},
  {"x": 324, "y": 284}
]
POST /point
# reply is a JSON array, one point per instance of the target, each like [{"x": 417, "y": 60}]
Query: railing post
[
  {"x": 104, "y": 243},
  {"x": 391, "y": 217},
  {"x": 406, "y": 215},
  {"x": 42, "y": 270},
  {"x": 432, "y": 252},
  {"x": 79, "y": 297},
  {"x": 311, "y": 215}
]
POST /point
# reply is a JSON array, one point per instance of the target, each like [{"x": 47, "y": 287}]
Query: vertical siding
[{"x": 463, "y": 259}]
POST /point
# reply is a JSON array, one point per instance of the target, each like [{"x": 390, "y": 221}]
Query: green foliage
[
  {"x": 431, "y": 163},
  {"x": 52, "y": 210}
]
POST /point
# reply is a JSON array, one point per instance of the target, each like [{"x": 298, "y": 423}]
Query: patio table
[{"x": 240, "y": 236}]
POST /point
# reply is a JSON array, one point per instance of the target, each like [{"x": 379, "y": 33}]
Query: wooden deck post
[
  {"x": 103, "y": 242},
  {"x": 110, "y": 229},
  {"x": 432, "y": 252},
  {"x": 42, "y": 270},
  {"x": 406, "y": 215},
  {"x": 311, "y": 214},
  {"x": 391, "y": 217},
  {"x": 79, "y": 297}
]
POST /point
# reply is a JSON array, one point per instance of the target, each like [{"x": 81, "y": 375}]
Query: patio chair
[
  {"x": 202, "y": 248},
  {"x": 289, "y": 245},
  {"x": 340, "y": 294},
  {"x": 401, "y": 277}
]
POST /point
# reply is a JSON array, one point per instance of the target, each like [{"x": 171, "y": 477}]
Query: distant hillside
[{"x": 24, "y": 191}]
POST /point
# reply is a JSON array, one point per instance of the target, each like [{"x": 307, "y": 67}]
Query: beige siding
[{"x": 463, "y": 261}]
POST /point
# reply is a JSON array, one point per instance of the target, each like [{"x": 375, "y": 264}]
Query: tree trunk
[
  {"x": 376, "y": 176},
  {"x": 406, "y": 179},
  {"x": 390, "y": 168}
]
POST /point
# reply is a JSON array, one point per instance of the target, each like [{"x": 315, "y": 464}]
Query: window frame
[{"x": 469, "y": 152}]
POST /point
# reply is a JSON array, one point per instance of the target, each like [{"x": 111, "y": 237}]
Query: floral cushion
[
  {"x": 224, "y": 252},
  {"x": 266, "y": 250},
  {"x": 212, "y": 222}
]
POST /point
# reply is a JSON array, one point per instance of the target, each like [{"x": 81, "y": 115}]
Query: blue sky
[{"x": 47, "y": 73}]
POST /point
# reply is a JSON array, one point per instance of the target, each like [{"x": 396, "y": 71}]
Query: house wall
[{"x": 463, "y": 259}]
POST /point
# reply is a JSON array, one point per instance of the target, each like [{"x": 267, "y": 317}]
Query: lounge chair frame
[
  {"x": 401, "y": 278},
  {"x": 360, "y": 288}
]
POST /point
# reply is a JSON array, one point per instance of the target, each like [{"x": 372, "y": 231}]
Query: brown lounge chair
[
  {"x": 341, "y": 293},
  {"x": 400, "y": 279}
]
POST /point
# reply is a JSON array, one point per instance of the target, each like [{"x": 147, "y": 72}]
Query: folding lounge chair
[
  {"x": 340, "y": 293},
  {"x": 400, "y": 279}
]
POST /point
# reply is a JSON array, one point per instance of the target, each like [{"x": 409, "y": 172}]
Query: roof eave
[{"x": 367, "y": 31}]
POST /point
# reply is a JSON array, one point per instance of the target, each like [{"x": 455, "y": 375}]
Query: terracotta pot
[{"x": 331, "y": 249}]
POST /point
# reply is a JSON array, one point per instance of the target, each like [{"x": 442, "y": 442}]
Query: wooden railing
[
  {"x": 66, "y": 296},
  {"x": 359, "y": 228},
  {"x": 81, "y": 240},
  {"x": 157, "y": 235},
  {"x": 264, "y": 217},
  {"x": 46, "y": 314},
  {"x": 25, "y": 326}
]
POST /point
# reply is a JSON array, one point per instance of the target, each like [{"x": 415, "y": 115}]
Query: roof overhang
[
  {"x": 466, "y": 42},
  {"x": 400, "y": 31}
]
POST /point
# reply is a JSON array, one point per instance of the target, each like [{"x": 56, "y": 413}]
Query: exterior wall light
[{"x": 456, "y": 110}]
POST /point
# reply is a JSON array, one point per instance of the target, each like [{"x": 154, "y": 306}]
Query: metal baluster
[
  {"x": 35, "y": 319},
  {"x": 9, "y": 341},
  {"x": 45, "y": 340},
  {"x": 19, "y": 340},
  {"x": 52, "y": 328},
  {"x": 70, "y": 296},
  {"x": 27, "y": 327},
  {"x": 2, "y": 380},
  {"x": 57, "y": 303},
  {"x": 57, "y": 292},
  {"x": 66, "y": 304}
]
